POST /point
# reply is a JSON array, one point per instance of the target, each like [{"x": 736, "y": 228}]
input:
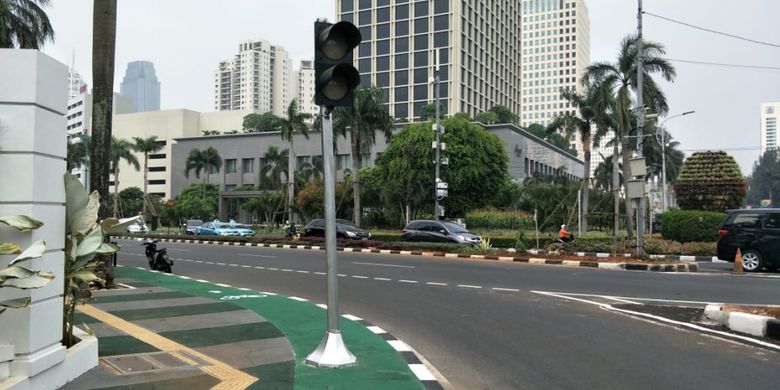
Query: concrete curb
[
  {"x": 752, "y": 324},
  {"x": 687, "y": 267},
  {"x": 713, "y": 259}
]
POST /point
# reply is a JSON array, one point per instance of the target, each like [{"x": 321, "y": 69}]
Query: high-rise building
[
  {"x": 304, "y": 86},
  {"x": 478, "y": 42},
  {"x": 76, "y": 84},
  {"x": 140, "y": 84},
  {"x": 770, "y": 115},
  {"x": 259, "y": 78},
  {"x": 555, "y": 55}
]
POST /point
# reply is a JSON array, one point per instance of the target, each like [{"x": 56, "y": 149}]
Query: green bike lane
[{"x": 303, "y": 324}]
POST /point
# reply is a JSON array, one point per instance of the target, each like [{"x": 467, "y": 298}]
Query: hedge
[
  {"x": 498, "y": 219},
  {"x": 691, "y": 226}
]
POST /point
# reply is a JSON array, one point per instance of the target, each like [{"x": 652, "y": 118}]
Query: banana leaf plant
[
  {"x": 14, "y": 275},
  {"x": 85, "y": 244}
]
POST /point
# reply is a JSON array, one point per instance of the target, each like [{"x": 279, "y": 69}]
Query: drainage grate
[{"x": 152, "y": 362}]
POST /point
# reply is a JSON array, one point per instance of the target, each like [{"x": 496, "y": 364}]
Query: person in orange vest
[{"x": 564, "y": 235}]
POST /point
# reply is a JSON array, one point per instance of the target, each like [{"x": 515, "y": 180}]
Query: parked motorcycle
[
  {"x": 158, "y": 258},
  {"x": 291, "y": 232}
]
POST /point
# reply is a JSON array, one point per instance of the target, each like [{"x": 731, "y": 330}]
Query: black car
[
  {"x": 756, "y": 232},
  {"x": 344, "y": 229},
  {"x": 438, "y": 231}
]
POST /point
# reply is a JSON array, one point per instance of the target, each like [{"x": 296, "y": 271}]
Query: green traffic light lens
[{"x": 336, "y": 88}]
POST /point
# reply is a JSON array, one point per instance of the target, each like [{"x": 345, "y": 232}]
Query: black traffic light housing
[{"x": 335, "y": 77}]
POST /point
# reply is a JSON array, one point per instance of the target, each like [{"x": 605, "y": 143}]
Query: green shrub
[
  {"x": 498, "y": 219},
  {"x": 663, "y": 247},
  {"x": 691, "y": 226},
  {"x": 710, "y": 181},
  {"x": 700, "y": 249}
]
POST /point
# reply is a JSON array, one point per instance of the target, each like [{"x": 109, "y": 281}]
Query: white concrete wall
[{"x": 32, "y": 162}]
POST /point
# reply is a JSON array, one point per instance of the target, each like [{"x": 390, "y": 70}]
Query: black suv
[
  {"x": 756, "y": 232},
  {"x": 344, "y": 229}
]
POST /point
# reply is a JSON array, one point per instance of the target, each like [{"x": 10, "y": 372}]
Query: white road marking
[
  {"x": 383, "y": 279},
  {"x": 506, "y": 289},
  {"x": 233, "y": 265},
  {"x": 221, "y": 264},
  {"x": 299, "y": 299},
  {"x": 320, "y": 273},
  {"x": 621, "y": 300},
  {"x": 263, "y": 256},
  {"x": 199, "y": 261},
  {"x": 468, "y": 286},
  {"x": 343, "y": 275},
  {"x": 244, "y": 289},
  {"x": 210, "y": 262},
  {"x": 399, "y": 345},
  {"x": 267, "y": 293},
  {"x": 203, "y": 281},
  {"x": 661, "y": 319},
  {"x": 436, "y": 283},
  {"x": 628, "y": 298},
  {"x": 351, "y": 317},
  {"x": 287, "y": 270},
  {"x": 184, "y": 277},
  {"x": 322, "y": 306},
  {"x": 222, "y": 285},
  {"x": 376, "y": 329},
  {"x": 273, "y": 269},
  {"x": 302, "y": 272},
  {"x": 259, "y": 267},
  {"x": 384, "y": 265},
  {"x": 407, "y": 281},
  {"x": 246, "y": 266},
  {"x": 421, "y": 372},
  {"x": 359, "y": 277}
]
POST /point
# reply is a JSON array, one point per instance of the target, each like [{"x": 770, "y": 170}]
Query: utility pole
[
  {"x": 662, "y": 137},
  {"x": 640, "y": 123},
  {"x": 436, "y": 179}
]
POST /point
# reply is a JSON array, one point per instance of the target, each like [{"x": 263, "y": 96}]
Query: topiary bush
[
  {"x": 710, "y": 181},
  {"x": 691, "y": 226}
]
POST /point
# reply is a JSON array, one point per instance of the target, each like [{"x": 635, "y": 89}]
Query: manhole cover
[{"x": 153, "y": 361}]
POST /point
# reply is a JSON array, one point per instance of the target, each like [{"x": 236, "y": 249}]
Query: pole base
[{"x": 332, "y": 352}]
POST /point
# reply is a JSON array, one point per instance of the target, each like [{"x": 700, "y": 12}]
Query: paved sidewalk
[{"x": 172, "y": 332}]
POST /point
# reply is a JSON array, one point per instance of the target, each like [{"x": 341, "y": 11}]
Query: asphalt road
[{"x": 482, "y": 327}]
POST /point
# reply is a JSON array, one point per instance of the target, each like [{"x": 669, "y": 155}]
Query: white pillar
[{"x": 32, "y": 164}]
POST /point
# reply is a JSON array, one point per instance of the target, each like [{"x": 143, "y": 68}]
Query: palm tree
[
  {"x": 367, "y": 115},
  {"x": 121, "y": 150},
  {"x": 582, "y": 124},
  {"x": 273, "y": 167},
  {"x": 617, "y": 81},
  {"x": 103, "y": 50},
  {"x": 146, "y": 146},
  {"x": 24, "y": 24},
  {"x": 295, "y": 122},
  {"x": 202, "y": 161},
  {"x": 76, "y": 156}
]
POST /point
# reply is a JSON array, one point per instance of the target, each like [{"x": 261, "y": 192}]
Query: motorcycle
[
  {"x": 291, "y": 232},
  {"x": 158, "y": 258}
]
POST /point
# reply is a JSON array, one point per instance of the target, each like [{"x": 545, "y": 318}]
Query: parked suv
[
  {"x": 756, "y": 232},
  {"x": 438, "y": 231}
]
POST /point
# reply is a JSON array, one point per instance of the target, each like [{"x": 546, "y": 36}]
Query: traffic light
[{"x": 334, "y": 75}]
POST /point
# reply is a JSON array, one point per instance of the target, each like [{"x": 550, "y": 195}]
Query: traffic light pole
[
  {"x": 332, "y": 352},
  {"x": 437, "y": 82}
]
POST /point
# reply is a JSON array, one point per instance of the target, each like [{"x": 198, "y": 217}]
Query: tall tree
[
  {"x": 617, "y": 81},
  {"x": 295, "y": 122},
  {"x": 582, "y": 124},
  {"x": 274, "y": 166},
  {"x": 103, "y": 51},
  {"x": 146, "y": 146},
  {"x": 76, "y": 155},
  {"x": 367, "y": 115},
  {"x": 764, "y": 182},
  {"x": 504, "y": 114},
  {"x": 202, "y": 161},
  {"x": 24, "y": 24},
  {"x": 121, "y": 150},
  {"x": 428, "y": 112},
  {"x": 261, "y": 123}
]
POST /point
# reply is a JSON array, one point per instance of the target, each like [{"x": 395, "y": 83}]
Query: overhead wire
[{"x": 712, "y": 31}]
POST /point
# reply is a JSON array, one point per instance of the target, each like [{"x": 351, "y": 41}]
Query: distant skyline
[{"x": 187, "y": 39}]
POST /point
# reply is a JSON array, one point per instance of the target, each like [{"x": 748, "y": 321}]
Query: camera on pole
[{"x": 335, "y": 77}]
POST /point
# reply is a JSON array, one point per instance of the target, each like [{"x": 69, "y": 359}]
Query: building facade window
[
  {"x": 230, "y": 165},
  {"x": 248, "y": 165}
]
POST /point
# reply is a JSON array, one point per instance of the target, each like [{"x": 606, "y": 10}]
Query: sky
[{"x": 186, "y": 40}]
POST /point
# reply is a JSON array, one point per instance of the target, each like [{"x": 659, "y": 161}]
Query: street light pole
[
  {"x": 640, "y": 120},
  {"x": 438, "y": 141},
  {"x": 663, "y": 140}
]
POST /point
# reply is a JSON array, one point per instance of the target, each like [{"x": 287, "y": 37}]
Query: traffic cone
[{"x": 738, "y": 262}]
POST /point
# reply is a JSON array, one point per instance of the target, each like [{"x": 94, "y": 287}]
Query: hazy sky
[{"x": 187, "y": 38}]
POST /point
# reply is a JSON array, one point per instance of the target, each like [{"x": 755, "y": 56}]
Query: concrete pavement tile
[
  {"x": 209, "y": 320},
  {"x": 195, "y": 338},
  {"x": 139, "y": 297},
  {"x": 151, "y": 304},
  {"x": 104, "y": 376},
  {"x": 251, "y": 353},
  {"x": 103, "y": 330},
  {"x": 175, "y": 311}
]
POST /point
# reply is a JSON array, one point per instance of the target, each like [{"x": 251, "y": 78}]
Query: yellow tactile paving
[{"x": 230, "y": 378}]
